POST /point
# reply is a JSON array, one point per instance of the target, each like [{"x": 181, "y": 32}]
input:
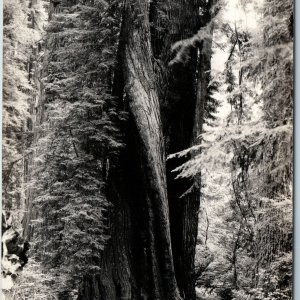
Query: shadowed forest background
[{"x": 147, "y": 150}]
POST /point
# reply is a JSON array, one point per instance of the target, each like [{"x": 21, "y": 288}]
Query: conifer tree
[
  {"x": 255, "y": 252},
  {"x": 16, "y": 97},
  {"x": 77, "y": 143}
]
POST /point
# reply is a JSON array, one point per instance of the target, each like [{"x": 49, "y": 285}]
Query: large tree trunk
[
  {"x": 143, "y": 229},
  {"x": 144, "y": 106},
  {"x": 153, "y": 231},
  {"x": 149, "y": 159}
]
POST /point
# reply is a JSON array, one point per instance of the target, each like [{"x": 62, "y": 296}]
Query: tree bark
[
  {"x": 182, "y": 109},
  {"x": 144, "y": 105},
  {"x": 186, "y": 99}
]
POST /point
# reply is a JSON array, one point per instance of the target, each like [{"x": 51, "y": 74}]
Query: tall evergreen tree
[{"x": 17, "y": 90}]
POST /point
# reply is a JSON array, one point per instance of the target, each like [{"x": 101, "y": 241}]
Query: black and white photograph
[{"x": 147, "y": 150}]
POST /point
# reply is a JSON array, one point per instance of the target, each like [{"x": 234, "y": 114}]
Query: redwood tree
[
  {"x": 157, "y": 74},
  {"x": 165, "y": 96}
]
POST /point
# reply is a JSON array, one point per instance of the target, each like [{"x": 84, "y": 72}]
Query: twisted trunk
[{"x": 144, "y": 106}]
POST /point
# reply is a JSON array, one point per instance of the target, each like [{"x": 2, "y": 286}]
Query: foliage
[
  {"x": 33, "y": 283},
  {"x": 245, "y": 161},
  {"x": 78, "y": 141},
  {"x": 17, "y": 91}
]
